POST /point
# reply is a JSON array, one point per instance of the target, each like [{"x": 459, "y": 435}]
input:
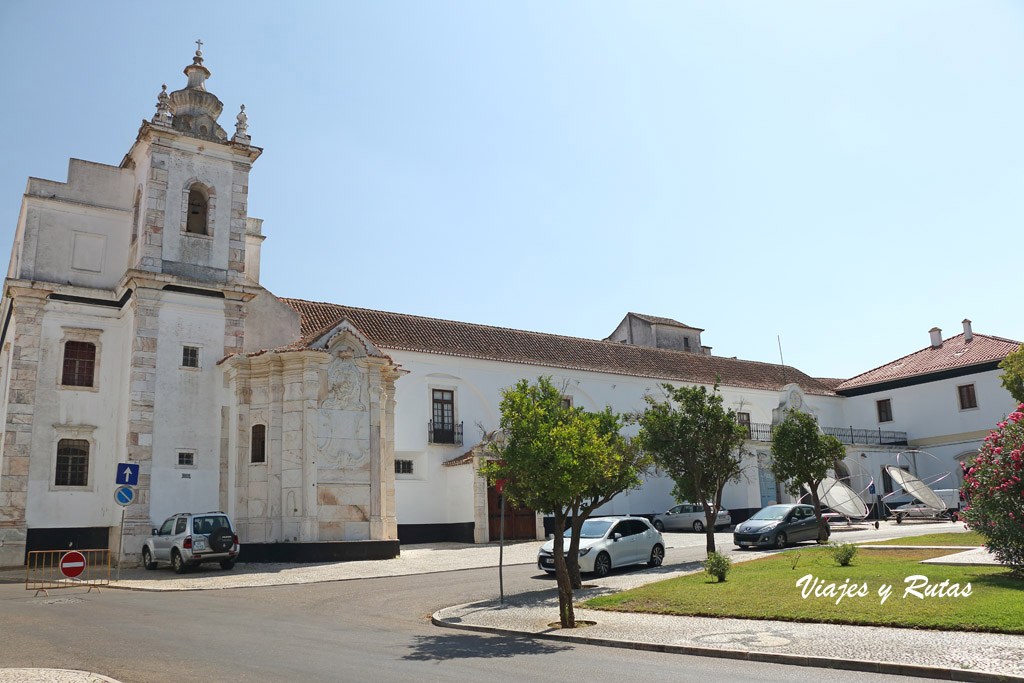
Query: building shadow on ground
[{"x": 442, "y": 647}]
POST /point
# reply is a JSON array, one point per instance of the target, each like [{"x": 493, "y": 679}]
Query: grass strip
[
  {"x": 970, "y": 538},
  {"x": 767, "y": 589}
]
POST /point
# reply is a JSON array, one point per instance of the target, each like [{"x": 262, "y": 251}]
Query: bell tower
[{"x": 192, "y": 182}]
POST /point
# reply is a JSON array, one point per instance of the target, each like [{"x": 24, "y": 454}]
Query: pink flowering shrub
[{"x": 994, "y": 491}]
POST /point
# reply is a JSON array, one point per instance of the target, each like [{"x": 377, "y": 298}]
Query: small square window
[
  {"x": 968, "y": 399},
  {"x": 189, "y": 357},
  {"x": 884, "y": 410},
  {"x": 567, "y": 402},
  {"x": 403, "y": 467},
  {"x": 79, "y": 364},
  {"x": 72, "y": 463},
  {"x": 186, "y": 459}
]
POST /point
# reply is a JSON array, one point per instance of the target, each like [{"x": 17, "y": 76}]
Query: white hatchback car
[{"x": 607, "y": 542}]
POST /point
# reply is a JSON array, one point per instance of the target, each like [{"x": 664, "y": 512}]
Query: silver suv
[{"x": 188, "y": 539}]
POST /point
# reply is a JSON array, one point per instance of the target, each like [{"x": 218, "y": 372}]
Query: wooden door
[{"x": 520, "y": 523}]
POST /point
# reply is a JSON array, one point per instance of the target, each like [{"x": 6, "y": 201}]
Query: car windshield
[
  {"x": 592, "y": 528},
  {"x": 771, "y": 512},
  {"x": 207, "y": 524}
]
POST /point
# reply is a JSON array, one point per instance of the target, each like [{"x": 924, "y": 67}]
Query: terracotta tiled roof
[
  {"x": 831, "y": 382},
  {"x": 657, "y": 320},
  {"x": 399, "y": 331},
  {"x": 954, "y": 353}
]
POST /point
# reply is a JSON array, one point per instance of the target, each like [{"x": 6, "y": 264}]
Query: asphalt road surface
[{"x": 362, "y": 630}]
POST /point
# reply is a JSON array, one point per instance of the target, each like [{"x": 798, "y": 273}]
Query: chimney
[
  {"x": 936, "y": 334},
  {"x": 968, "y": 335}
]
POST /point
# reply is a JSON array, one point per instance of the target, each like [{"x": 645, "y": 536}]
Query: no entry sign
[{"x": 72, "y": 564}]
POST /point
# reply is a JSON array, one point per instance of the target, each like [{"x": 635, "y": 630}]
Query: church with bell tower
[{"x": 132, "y": 317}]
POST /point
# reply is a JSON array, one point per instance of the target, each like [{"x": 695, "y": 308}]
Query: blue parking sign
[{"x": 127, "y": 474}]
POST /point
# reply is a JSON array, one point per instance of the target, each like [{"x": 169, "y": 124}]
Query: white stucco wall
[
  {"x": 78, "y": 413},
  {"x": 187, "y": 405},
  {"x": 478, "y": 384}
]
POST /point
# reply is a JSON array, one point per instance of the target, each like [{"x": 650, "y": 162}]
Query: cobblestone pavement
[
  {"x": 51, "y": 676},
  {"x": 941, "y": 654}
]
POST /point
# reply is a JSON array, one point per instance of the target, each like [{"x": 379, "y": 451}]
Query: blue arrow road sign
[
  {"x": 127, "y": 473},
  {"x": 124, "y": 495}
]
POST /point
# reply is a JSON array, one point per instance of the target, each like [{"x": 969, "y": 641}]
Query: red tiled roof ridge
[
  {"x": 641, "y": 361},
  {"x": 311, "y": 335},
  {"x": 955, "y": 340}
]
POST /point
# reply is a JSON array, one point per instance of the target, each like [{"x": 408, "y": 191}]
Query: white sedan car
[
  {"x": 607, "y": 542},
  {"x": 686, "y": 517}
]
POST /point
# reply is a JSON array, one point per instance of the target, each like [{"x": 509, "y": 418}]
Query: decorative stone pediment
[{"x": 345, "y": 338}]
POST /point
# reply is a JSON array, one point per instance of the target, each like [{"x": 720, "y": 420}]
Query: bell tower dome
[{"x": 194, "y": 110}]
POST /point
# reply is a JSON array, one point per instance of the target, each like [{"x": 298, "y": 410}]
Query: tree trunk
[
  {"x": 822, "y": 525},
  {"x": 566, "y": 616},
  {"x": 710, "y": 516},
  {"x": 573, "y": 559}
]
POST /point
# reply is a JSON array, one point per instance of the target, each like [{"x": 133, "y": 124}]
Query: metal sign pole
[
  {"x": 120, "y": 541},
  {"x": 501, "y": 551}
]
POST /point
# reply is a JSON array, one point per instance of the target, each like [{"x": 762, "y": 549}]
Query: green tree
[
  {"x": 563, "y": 461},
  {"x": 1013, "y": 374},
  {"x": 698, "y": 443},
  {"x": 802, "y": 457}
]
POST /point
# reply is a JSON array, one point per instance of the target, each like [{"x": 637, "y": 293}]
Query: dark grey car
[{"x": 777, "y": 526}]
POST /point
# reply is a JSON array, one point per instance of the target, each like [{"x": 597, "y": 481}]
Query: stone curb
[{"x": 893, "y": 668}]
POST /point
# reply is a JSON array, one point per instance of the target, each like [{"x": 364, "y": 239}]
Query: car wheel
[
  {"x": 780, "y": 540},
  {"x": 659, "y": 525},
  {"x": 221, "y": 540},
  {"x": 178, "y": 564},
  {"x": 657, "y": 556},
  {"x": 602, "y": 565},
  {"x": 698, "y": 526},
  {"x": 147, "y": 559},
  {"x": 227, "y": 564}
]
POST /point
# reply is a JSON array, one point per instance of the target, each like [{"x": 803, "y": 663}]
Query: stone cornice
[
  {"x": 150, "y": 132},
  {"x": 144, "y": 279}
]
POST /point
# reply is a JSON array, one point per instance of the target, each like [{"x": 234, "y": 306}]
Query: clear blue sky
[{"x": 845, "y": 174}]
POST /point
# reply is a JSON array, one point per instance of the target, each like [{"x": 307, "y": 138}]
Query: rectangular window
[
  {"x": 72, "y": 463},
  {"x": 686, "y": 342},
  {"x": 189, "y": 357},
  {"x": 743, "y": 419},
  {"x": 567, "y": 401},
  {"x": 259, "y": 444},
  {"x": 884, "y": 410},
  {"x": 443, "y": 416},
  {"x": 186, "y": 459},
  {"x": 403, "y": 466},
  {"x": 968, "y": 399},
  {"x": 79, "y": 364}
]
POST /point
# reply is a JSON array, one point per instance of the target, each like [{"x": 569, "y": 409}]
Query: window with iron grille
[
  {"x": 259, "y": 444},
  {"x": 189, "y": 357},
  {"x": 743, "y": 419},
  {"x": 186, "y": 459},
  {"x": 72, "y": 463},
  {"x": 403, "y": 466},
  {"x": 79, "y": 364},
  {"x": 968, "y": 399},
  {"x": 884, "y": 410},
  {"x": 444, "y": 416}
]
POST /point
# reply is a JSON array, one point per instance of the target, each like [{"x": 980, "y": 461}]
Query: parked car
[
  {"x": 607, "y": 542},
  {"x": 777, "y": 526},
  {"x": 687, "y": 516},
  {"x": 188, "y": 539}
]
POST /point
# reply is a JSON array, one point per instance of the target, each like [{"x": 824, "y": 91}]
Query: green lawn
[
  {"x": 970, "y": 538},
  {"x": 766, "y": 589}
]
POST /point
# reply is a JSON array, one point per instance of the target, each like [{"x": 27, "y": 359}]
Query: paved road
[{"x": 362, "y": 630}]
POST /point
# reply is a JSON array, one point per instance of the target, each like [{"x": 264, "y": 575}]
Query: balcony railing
[
  {"x": 450, "y": 435},
  {"x": 870, "y": 437}
]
